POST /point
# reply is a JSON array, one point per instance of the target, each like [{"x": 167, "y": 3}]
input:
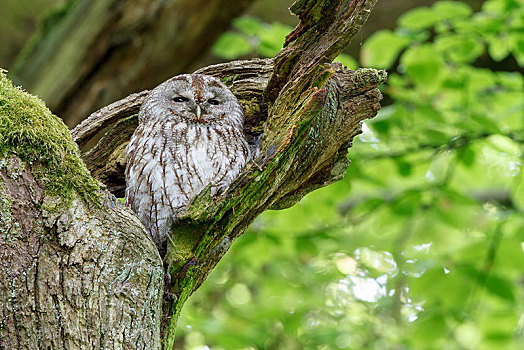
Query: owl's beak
[{"x": 198, "y": 112}]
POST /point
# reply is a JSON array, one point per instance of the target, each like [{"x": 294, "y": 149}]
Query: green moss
[
  {"x": 40, "y": 139},
  {"x": 251, "y": 107},
  {"x": 228, "y": 80}
]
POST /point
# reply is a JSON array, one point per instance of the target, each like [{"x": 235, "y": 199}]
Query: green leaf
[
  {"x": 498, "y": 47},
  {"x": 517, "y": 188},
  {"x": 496, "y": 285},
  {"x": 272, "y": 39},
  {"x": 459, "y": 48},
  {"x": 419, "y": 18},
  {"x": 518, "y": 49},
  {"x": 436, "y": 137},
  {"x": 500, "y": 287},
  {"x": 382, "y": 48},
  {"x": 486, "y": 122},
  {"x": 407, "y": 204},
  {"x": 428, "y": 329},
  {"x": 501, "y": 6},
  {"x": 248, "y": 25},
  {"x": 231, "y": 45},
  {"x": 466, "y": 155},
  {"x": 425, "y": 65},
  {"x": 306, "y": 247},
  {"x": 404, "y": 168},
  {"x": 429, "y": 113},
  {"x": 452, "y": 9}
]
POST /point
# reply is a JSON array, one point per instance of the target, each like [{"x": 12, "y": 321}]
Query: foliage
[{"x": 421, "y": 246}]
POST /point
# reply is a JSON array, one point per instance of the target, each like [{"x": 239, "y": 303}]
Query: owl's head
[{"x": 192, "y": 98}]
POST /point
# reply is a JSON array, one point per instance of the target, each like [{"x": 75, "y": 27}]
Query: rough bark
[
  {"x": 86, "y": 278},
  {"x": 302, "y": 113},
  {"x": 78, "y": 270},
  {"x": 98, "y": 51}
]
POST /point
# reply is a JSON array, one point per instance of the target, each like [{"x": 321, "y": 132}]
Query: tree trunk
[
  {"x": 79, "y": 269},
  {"x": 94, "y": 52}
]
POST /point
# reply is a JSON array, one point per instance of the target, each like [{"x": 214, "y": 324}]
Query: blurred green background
[{"x": 421, "y": 246}]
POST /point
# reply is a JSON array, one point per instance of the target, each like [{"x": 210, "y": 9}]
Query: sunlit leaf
[
  {"x": 428, "y": 329},
  {"x": 419, "y": 18},
  {"x": 451, "y": 10},
  {"x": 231, "y": 45},
  {"x": 424, "y": 65},
  {"x": 381, "y": 50},
  {"x": 517, "y": 185},
  {"x": 272, "y": 39},
  {"x": 518, "y": 49},
  {"x": 501, "y": 6},
  {"x": 498, "y": 47},
  {"x": 407, "y": 204},
  {"x": 248, "y": 25},
  {"x": 459, "y": 48}
]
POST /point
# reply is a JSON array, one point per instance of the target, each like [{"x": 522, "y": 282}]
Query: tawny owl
[{"x": 190, "y": 134}]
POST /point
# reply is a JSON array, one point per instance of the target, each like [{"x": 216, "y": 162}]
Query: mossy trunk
[{"x": 83, "y": 273}]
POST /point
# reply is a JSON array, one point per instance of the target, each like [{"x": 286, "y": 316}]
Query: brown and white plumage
[{"x": 190, "y": 134}]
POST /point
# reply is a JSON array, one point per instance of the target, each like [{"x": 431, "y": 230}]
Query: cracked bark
[
  {"x": 97, "y": 267},
  {"x": 75, "y": 279}
]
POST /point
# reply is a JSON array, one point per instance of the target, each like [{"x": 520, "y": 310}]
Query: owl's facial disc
[{"x": 203, "y": 110}]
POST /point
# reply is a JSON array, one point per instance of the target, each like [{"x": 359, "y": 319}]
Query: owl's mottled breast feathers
[{"x": 190, "y": 134}]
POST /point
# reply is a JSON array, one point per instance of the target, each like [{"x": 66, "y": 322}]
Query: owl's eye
[
  {"x": 180, "y": 99},
  {"x": 213, "y": 102}
]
